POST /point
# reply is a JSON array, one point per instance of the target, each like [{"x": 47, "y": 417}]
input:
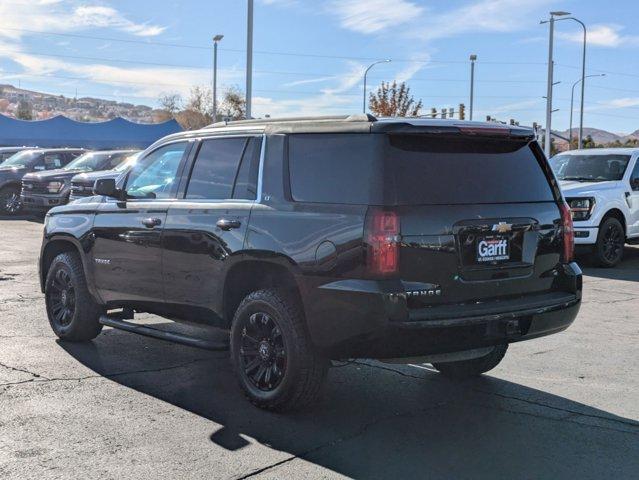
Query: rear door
[
  {"x": 127, "y": 234},
  {"x": 478, "y": 216},
  {"x": 206, "y": 227}
]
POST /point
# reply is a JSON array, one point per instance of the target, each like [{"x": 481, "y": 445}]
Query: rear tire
[
  {"x": 474, "y": 367},
  {"x": 10, "y": 203},
  {"x": 72, "y": 311},
  {"x": 273, "y": 357},
  {"x": 608, "y": 251}
]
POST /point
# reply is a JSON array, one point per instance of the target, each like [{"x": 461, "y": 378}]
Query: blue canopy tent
[{"x": 61, "y": 131}]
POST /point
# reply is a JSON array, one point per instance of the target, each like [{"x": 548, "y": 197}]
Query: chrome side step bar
[{"x": 115, "y": 322}]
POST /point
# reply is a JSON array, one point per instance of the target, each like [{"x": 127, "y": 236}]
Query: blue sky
[{"x": 310, "y": 55}]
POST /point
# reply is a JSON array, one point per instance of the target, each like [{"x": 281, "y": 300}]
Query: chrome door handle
[
  {"x": 226, "y": 224},
  {"x": 151, "y": 222}
]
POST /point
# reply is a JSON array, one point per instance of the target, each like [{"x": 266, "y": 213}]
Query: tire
[
  {"x": 608, "y": 251},
  {"x": 10, "y": 203},
  {"x": 273, "y": 357},
  {"x": 474, "y": 367},
  {"x": 72, "y": 311}
]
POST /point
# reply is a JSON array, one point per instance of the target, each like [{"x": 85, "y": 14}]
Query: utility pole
[
  {"x": 473, "y": 58},
  {"x": 216, "y": 39},
  {"x": 249, "y": 57},
  {"x": 551, "y": 34}
]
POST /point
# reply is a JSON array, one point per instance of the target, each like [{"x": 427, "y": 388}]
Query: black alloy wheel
[
  {"x": 10, "y": 201},
  {"x": 262, "y": 352},
  {"x": 62, "y": 298},
  {"x": 613, "y": 242}
]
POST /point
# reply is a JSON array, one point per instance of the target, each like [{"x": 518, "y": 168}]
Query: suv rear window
[{"x": 388, "y": 169}]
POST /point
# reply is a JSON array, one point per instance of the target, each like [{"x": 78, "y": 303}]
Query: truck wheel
[
  {"x": 608, "y": 251},
  {"x": 474, "y": 367},
  {"x": 10, "y": 203},
  {"x": 72, "y": 311},
  {"x": 273, "y": 358}
]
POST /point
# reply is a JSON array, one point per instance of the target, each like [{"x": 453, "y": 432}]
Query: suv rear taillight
[
  {"x": 382, "y": 241},
  {"x": 568, "y": 232}
]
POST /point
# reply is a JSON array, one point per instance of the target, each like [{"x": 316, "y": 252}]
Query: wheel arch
[
  {"x": 619, "y": 215},
  {"x": 250, "y": 274},
  {"x": 53, "y": 247}
]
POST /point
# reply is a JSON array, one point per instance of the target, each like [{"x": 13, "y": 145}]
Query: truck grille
[{"x": 29, "y": 186}]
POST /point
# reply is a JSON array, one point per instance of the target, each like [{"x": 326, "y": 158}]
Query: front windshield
[
  {"x": 128, "y": 163},
  {"x": 590, "y": 168},
  {"x": 88, "y": 162},
  {"x": 20, "y": 159}
]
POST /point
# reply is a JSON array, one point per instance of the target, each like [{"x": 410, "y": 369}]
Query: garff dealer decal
[{"x": 492, "y": 249}]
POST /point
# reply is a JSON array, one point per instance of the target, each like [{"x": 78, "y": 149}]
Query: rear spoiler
[{"x": 474, "y": 130}]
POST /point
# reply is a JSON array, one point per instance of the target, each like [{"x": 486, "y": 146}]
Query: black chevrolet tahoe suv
[{"x": 319, "y": 239}]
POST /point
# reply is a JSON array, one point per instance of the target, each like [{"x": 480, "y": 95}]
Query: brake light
[
  {"x": 484, "y": 130},
  {"x": 568, "y": 232},
  {"x": 382, "y": 241}
]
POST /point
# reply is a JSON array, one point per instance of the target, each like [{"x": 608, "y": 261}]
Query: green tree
[{"x": 392, "y": 100}]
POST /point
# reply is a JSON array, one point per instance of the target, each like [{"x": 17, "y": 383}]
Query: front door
[
  {"x": 127, "y": 235},
  {"x": 207, "y": 227}
]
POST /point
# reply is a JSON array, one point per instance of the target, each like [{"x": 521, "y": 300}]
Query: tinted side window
[
  {"x": 334, "y": 168},
  {"x": 246, "y": 182},
  {"x": 215, "y": 168},
  {"x": 155, "y": 176}
]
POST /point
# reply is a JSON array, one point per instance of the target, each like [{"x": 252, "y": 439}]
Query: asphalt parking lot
[{"x": 125, "y": 406}]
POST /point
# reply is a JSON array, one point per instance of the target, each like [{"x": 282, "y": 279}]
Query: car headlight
[
  {"x": 581, "y": 208},
  {"x": 55, "y": 187}
]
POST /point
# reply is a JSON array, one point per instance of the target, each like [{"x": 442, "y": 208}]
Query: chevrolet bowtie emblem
[{"x": 502, "y": 227}]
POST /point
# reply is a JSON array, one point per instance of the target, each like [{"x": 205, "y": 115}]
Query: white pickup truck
[{"x": 601, "y": 187}]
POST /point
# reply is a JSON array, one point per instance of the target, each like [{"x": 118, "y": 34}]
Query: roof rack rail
[{"x": 361, "y": 117}]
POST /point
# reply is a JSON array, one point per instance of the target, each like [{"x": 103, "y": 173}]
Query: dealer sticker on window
[{"x": 493, "y": 249}]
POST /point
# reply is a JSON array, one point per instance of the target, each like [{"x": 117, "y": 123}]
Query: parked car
[
  {"x": 324, "y": 238},
  {"x": 18, "y": 165},
  {"x": 44, "y": 190},
  {"x": 82, "y": 183},
  {"x": 6, "y": 152},
  {"x": 602, "y": 189}
]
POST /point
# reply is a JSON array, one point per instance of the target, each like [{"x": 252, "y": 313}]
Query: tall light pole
[
  {"x": 583, "y": 77},
  {"x": 551, "y": 35},
  {"x": 572, "y": 96},
  {"x": 249, "y": 57},
  {"x": 216, "y": 40},
  {"x": 473, "y": 58},
  {"x": 366, "y": 73}
]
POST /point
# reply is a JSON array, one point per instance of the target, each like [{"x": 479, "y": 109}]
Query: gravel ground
[{"x": 125, "y": 406}]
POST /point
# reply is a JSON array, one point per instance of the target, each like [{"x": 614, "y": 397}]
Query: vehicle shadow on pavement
[
  {"x": 28, "y": 218},
  {"x": 377, "y": 420},
  {"x": 627, "y": 270}
]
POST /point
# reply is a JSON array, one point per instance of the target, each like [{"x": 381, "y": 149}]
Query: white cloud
[
  {"x": 602, "y": 36},
  {"x": 58, "y": 16},
  {"x": 620, "y": 103},
  {"x": 373, "y": 16},
  {"x": 309, "y": 81}
]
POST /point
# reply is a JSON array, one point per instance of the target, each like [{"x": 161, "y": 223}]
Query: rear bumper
[{"x": 364, "y": 320}]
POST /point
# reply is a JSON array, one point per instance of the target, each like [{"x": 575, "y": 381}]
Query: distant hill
[
  {"x": 87, "y": 109},
  {"x": 600, "y": 137}
]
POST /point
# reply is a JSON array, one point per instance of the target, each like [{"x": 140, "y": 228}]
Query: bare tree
[
  {"x": 201, "y": 100},
  {"x": 392, "y": 100},
  {"x": 171, "y": 102},
  {"x": 233, "y": 105}
]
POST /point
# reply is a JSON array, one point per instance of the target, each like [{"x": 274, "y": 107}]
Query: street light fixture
[
  {"x": 216, "y": 40},
  {"x": 366, "y": 73},
  {"x": 473, "y": 58},
  {"x": 572, "y": 96}
]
